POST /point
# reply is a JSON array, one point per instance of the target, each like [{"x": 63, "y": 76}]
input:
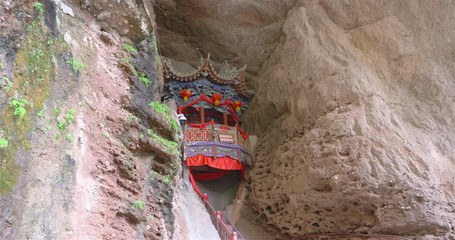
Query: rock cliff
[
  {"x": 90, "y": 151},
  {"x": 354, "y": 108}
]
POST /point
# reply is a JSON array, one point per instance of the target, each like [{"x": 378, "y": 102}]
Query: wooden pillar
[
  {"x": 202, "y": 117},
  {"x": 225, "y": 120}
]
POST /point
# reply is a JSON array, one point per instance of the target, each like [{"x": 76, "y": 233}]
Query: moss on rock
[{"x": 35, "y": 68}]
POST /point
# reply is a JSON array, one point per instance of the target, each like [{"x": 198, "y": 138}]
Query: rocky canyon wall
[
  {"x": 362, "y": 108},
  {"x": 90, "y": 151},
  {"x": 354, "y": 107}
]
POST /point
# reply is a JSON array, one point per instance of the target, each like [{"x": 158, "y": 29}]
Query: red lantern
[
  {"x": 216, "y": 97},
  {"x": 237, "y": 105},
  {"x": 186, "y": 94}
]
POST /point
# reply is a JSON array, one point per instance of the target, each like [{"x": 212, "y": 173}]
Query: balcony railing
[{"x": 217, "y": 140}]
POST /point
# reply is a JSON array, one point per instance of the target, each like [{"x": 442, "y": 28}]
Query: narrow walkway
[
  {"x": 191, "y": 217},
  {"x": 226, "y": 230}
]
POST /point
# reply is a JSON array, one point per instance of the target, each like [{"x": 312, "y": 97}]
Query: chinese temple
[{"x": 216, "y": 150}]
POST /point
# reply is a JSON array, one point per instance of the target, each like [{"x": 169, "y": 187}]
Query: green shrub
[
  {"x": 144, "y": 79},
  {"x": 166, "y": 179},
  {"x": 67, "y": 120},
  {"x": 138, "y": 204},
  {"x": 19, "y": 107},
  {"x": 77, "y": 65},
  {"x": 169, "y": 145},
  {"x": 69, "y": 137},
  {"x": 3, "y": 143},
  {"x": 129, "y": 48},
  {"x": 39, "y": 7},
  {"x": 132, "y": 118},
  {"x": 41, "y": 114},
  {"x": 163, "y": 109},
  {"x": 6, "y": 83}
]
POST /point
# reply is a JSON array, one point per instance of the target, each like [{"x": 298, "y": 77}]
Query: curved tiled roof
[{"x": 234, "y": 77}]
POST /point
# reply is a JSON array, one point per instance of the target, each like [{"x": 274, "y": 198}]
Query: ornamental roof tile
[{"x": 233, "y": 77}]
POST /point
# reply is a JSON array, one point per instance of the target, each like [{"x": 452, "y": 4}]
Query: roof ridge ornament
[{"x": 227, "y": 75}]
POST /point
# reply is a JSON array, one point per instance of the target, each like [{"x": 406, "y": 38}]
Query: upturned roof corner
[{"x": 226, "y": 76}]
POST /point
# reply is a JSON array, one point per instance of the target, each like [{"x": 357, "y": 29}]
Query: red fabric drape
[
  {"x": 195, "y": 187},
  {"x": 208, "y": 176},
  {"x": 225, "y": 163}
]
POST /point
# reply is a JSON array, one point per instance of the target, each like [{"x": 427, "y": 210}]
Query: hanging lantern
[
  {"x": 216, "y": 97},
  {"x": 186, "y": 94},
  {"x": 237, "y": 105}
]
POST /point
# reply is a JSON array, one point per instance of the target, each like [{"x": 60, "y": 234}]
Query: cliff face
[
  {"x": 91, "y": 152},
  {"x": 358, "y": 96},
  {"x": 354, "y": 108}
]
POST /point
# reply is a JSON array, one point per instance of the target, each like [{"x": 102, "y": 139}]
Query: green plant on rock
[
  {"x": 138, "y": 204},
  {"x": 41, "y": 114},
  {"x": 169, "y": 145},
  {"x": 132, "y": 68},
  {"x": 166, "y": 179},
  {"x": 34, "y": 68},
  {"x": 70, "y": 115},
  {"x": 132, "y": 118},
  {"x": 129, "y": 48},
  {"x": 145, "y": 80},
  {"x": 56, "y": 111},
  {"x": 62, "y": 125},
  {"x": 19, "y": 105},
  {"x": 39, "y": 7},
  {"x": 150, "y": 132},
  {"x": 154, "y": 46},
  {"x": 3, "y": 143},
  {"x": 6, "y": 83},
  {"x": 76, "y": 64},
  {"x": 69, "y": 137},
  {"x": 163, "y": 109}
]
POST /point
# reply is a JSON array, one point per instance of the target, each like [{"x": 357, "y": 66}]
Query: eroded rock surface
[
  {"x": 241, "y": 32},
  {"x": 360, "y": 105},
  {"x": 354, "y": 107}
]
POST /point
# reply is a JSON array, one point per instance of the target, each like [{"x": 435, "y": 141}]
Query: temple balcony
[{"x": 216, "y": 141}]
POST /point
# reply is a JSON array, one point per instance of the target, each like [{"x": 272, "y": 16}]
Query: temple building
[{"x": 216, "y": 150}]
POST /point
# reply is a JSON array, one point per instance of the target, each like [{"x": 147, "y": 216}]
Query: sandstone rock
[
  {"x": 359, "y": 107},
  {"x": 241, "y": 32},
  {"x": 128, "y": 18}
]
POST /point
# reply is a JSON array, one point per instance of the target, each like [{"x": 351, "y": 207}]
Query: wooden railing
[{"x": 217, "y": 133}]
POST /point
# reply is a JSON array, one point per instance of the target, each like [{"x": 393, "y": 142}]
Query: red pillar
[{"x": 202, "y": 116}]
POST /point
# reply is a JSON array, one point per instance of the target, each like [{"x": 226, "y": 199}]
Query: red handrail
[{"x": 226, "y": 232}]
